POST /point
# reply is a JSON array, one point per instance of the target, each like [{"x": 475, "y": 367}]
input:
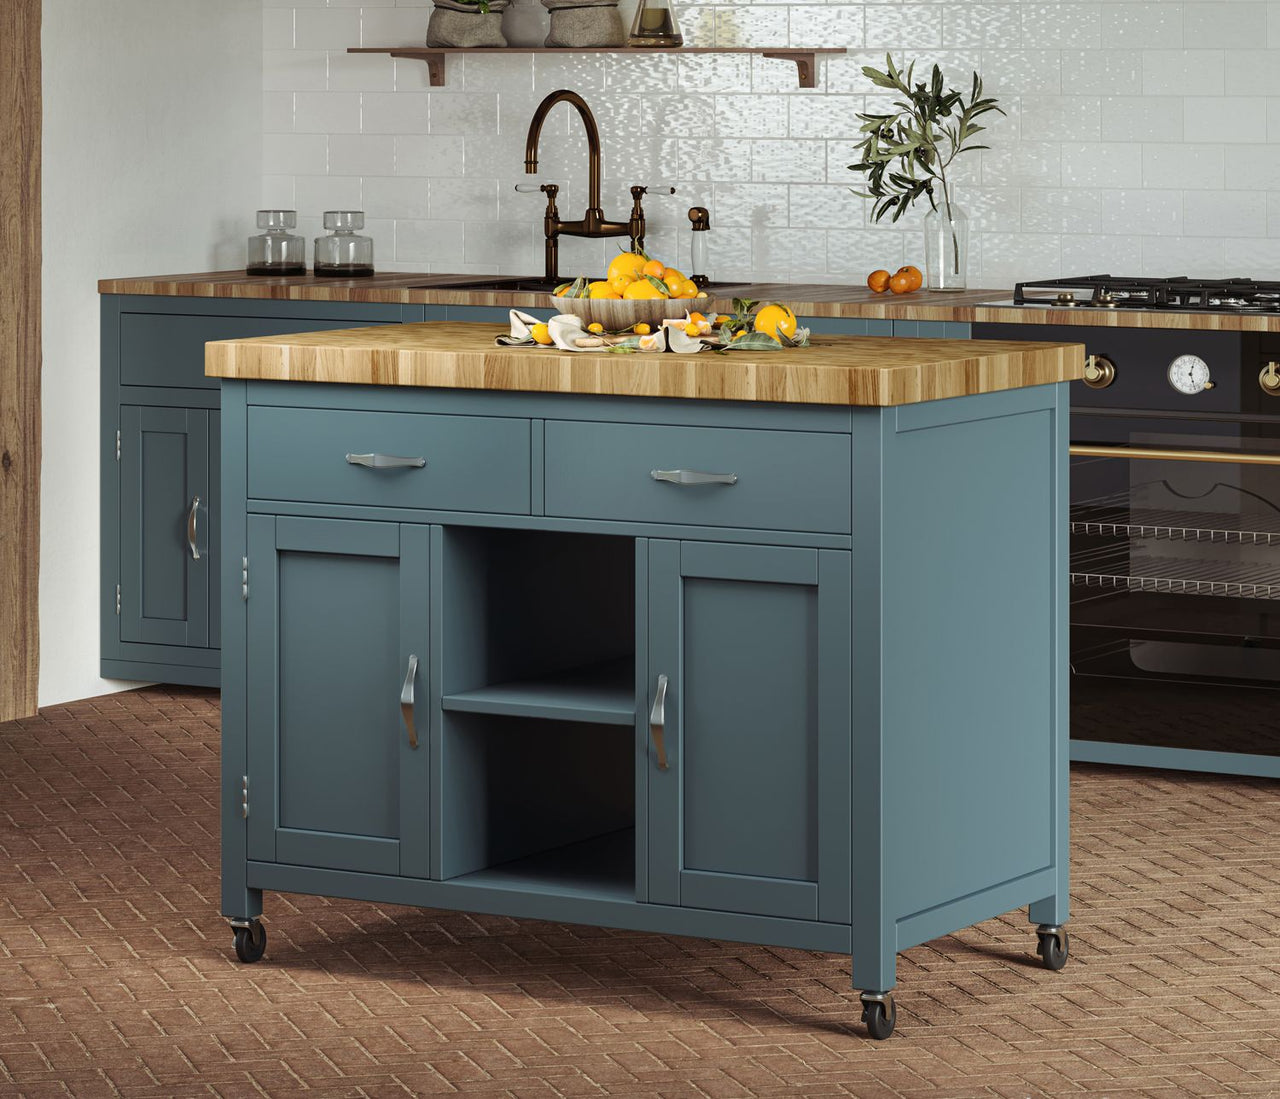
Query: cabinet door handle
[
  {"x": 658, "y": 722},
  {"x": 385, "y": 461},
  {"x": 692, "y": 477},
  {"x": 193, "y": 517},
  {"x": 406, "y": 700}
]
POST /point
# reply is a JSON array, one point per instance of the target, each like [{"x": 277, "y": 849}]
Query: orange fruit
[
  {"x": 900, "y": 283},
  {"x": 654, "y": 268},
  {"x": 620, "y": 282},
  {"x": 541, "y": 334},
  {"x": 643, "y": 290},
  {"x": 878, "y": 281},
  {"x": 774, "y": 319},
  {"x": 602, "y": 290},
  {"x": 626, "y": 263},
  {"x": 641, "y": 329},
  {"x": 917, "y": 279}
]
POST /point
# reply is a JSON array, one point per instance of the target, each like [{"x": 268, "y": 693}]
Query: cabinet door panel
[
  {"x": 336, "y": 608},
  {"x": 755, "y": 643},
  {"x": 164, "y": 474}
]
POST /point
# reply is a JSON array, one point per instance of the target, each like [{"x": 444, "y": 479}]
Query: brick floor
[{"x": 117, "y": 975}]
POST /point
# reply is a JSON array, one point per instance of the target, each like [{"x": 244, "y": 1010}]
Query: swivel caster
[
  {"x": 251, "y": 939},
  {"x": 1052, "y": 945},
  {"x": 880, "y": 1014}
]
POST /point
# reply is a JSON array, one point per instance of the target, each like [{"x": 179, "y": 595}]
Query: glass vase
[{"x": 946, "y": 247}]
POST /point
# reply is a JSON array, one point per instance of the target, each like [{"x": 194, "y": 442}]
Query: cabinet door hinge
[
  {"x": 244, "y": 797},
  {"x": 117, "y": 599},
  {"x": 244, "y": 578}
]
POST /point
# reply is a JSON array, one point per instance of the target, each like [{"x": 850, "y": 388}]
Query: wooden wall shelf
[{"x": 805, "y": 58}]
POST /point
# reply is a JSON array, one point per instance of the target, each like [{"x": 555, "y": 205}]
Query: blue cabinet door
[
  {"x": 337, "y": 612},
  {"x": 165, "y": 543},
  {"x": 752, "y": 813}
]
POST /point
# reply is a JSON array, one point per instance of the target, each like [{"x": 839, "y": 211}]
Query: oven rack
[
  {"x": 1174, "y": 575},
  {"x": 1114, "y": 517}
]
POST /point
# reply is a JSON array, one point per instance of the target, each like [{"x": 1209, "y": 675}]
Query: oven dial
[
  {"x": 1189, "y": 374},
  {"x": 1099, "y": 372},
  {"x": 1269, "y": 379}
]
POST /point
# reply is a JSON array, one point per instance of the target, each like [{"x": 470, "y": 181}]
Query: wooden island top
[{"x": 835, "y": 370}]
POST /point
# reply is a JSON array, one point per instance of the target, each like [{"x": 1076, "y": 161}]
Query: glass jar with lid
[
  {"x": 344, "y": 253},
  {"x": 276, "y": 251},
  {"x": 655, "y": 25}
]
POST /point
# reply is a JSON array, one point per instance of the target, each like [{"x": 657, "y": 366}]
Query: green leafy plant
[{"x": 907, "y": 153}]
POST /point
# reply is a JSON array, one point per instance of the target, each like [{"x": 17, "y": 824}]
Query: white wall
[
  {"x": 152, "y": 163},
  {"x": 1141, "y": 137}
]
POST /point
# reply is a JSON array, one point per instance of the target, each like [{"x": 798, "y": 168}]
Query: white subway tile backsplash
[{"x": 1142, "y": 136}]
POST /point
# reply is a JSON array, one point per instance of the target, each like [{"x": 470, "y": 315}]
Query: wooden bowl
[{"x": 619, "y": 316}]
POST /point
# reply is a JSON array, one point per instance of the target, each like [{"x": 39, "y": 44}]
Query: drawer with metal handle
[
  {"x": 390, "y": 459},
  {"x": 699, "y": 476}
]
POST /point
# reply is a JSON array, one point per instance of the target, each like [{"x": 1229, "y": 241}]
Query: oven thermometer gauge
[{"x": 1189, "y": 374}]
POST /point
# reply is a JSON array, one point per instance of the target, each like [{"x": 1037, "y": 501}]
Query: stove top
[{"x": 1111, "y": 292}]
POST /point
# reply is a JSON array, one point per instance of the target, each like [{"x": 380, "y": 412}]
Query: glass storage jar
[
  {"x": 276, "y": 251},
  {"x": 344, "y": 254},
  {"x": 655, "y": 25}
]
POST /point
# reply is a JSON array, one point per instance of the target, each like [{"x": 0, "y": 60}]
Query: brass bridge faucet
[{"x": 593, "y": 223}]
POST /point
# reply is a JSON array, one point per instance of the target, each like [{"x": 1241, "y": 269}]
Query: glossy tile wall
[{"x": 1140, "y": 137}]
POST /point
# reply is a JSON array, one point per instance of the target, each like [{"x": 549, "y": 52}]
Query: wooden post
[{"x": 20, "y": 107}]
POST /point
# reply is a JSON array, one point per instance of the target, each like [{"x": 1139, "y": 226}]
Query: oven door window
[{"x": 1175, "y": 583}]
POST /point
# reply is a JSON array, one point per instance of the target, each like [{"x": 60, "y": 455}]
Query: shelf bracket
[
  {"x": 435, "y": 64},
  {"x": 806, "y": 64}
]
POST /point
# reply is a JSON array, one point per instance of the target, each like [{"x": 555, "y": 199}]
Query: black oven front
[{"x": 1175, "y": 549}]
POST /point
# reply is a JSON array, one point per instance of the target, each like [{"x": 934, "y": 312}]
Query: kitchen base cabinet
[{"x": 839, "y": 727}]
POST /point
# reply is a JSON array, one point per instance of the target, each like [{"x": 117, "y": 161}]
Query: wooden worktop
[
  {"x": 836, "y": 370},
  {"x": 809, "y": 300}
]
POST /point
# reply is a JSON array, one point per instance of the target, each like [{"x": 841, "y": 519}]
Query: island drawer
[
  {"x": 774, "y": 480},
  {"x": 390, "y": 459}
]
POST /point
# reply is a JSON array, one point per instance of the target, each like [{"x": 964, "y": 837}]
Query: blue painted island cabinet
[{"x": 766, "y": 670}]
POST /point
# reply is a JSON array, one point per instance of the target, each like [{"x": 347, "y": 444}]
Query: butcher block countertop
[
  {"x": 835, "y": 370},
  {"x": 809, "y": 300}
]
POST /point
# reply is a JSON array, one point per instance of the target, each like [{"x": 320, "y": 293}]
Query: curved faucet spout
[{"x": 593, "y": 140}]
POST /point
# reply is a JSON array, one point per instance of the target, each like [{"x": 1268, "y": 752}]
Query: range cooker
[{"x": 1175, "y": 524}]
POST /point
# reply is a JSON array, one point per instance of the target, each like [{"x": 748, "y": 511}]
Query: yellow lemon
[
  {"x": 693, "y": 329},
  {"x": 596, "y": 327},
  {"x": 774, "y": 319},
  {"x": 642, "y": 329},
  {"x": 541, "y": 334},
  {"x": 643, "y": 290},
  {"x": 602, "y": 290},
  {"x": 627, "y": 263}
]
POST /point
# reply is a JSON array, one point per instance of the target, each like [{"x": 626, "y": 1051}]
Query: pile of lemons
[{"x": 633, "y": 276}]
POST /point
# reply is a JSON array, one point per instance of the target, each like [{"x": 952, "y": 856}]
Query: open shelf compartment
[{"x": 536, "y": 782}]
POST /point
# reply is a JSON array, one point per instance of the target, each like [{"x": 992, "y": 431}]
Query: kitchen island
[{"x": 760, "y": 646}]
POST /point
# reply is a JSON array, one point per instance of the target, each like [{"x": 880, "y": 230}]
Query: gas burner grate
[{"x": 1113, "y": 292}]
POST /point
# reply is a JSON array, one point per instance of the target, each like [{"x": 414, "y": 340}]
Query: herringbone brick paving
[{"x": 117, "y": 975}]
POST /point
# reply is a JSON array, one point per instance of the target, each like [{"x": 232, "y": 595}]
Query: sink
[{"x": 509, "y": 286}]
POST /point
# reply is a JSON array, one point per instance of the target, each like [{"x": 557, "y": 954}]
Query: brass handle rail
[{"x": 1148, "y": 453}]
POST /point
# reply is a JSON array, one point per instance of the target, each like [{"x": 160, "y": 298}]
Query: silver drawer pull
[
  {"x": 658, "y": 723},
  {"x": 385, "y": 461},
  {"x": 692, "y": 477},
  {"x": 407, "y": 699},
  {"x": 193, "y": 517}
]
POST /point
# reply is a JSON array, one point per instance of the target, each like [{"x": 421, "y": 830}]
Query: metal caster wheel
[
  {"x": 251, "y": 940},
  {"x": 1053, "y": 945},
  {"x": 880, "y": 1014}
]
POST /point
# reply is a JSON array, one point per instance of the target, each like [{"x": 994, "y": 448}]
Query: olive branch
[{"x": 922, "y": 138}]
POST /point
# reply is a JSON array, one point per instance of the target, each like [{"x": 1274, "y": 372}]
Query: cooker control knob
[
  {"x": 1269, "y": 379},
  {"x": 1100, "y": 372}
]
